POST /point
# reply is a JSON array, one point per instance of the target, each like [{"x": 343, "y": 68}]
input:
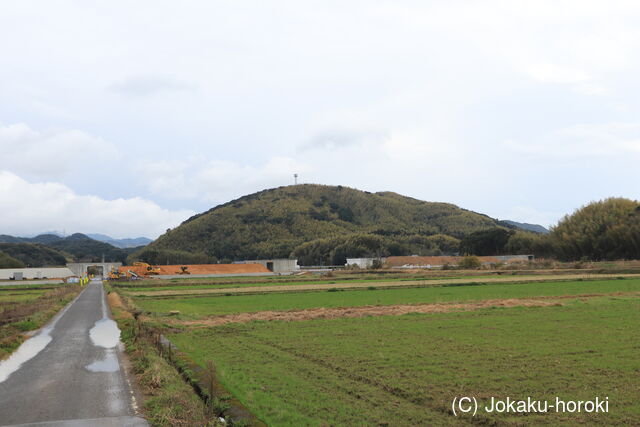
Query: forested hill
[
  {"x": 318, "y": 224},
  {"x": 50, "y": 249},
  {"x": 18, "y": 255}
]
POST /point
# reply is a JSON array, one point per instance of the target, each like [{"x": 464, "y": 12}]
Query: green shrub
[{"x": 470, "y": 263}]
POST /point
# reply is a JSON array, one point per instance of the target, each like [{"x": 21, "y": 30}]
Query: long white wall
[{"x": 36, "y": 273}]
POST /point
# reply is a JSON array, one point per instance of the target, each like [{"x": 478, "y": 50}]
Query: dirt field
[{"x": 198, "y": 269}]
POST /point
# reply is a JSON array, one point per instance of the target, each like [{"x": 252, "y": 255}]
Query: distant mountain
[
  {"x": 525, "y": 226},
  {"x": 77, "y": 247},
  {"x": 33, "y": 254},
  {"x": 121, "y": 243},
  {"x": 50, "y": 238},
  {"x": 45, "y": 239},
  {"x": 5, "y": 238},
  {"x": 317, "y": 224},
  {"x": 85, "y": 249}
]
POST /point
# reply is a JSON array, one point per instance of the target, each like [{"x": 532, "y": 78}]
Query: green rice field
[
  {"x": 405, "y": 370},
  {"x": 206, "y": 305}
]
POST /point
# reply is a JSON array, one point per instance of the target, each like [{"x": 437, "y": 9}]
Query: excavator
[
  {"x": 149, "y": 269},
  {"x": 114, "y": 274}
]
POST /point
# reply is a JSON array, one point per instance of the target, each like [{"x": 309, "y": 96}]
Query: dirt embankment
[{"x": 118, "y": 308}]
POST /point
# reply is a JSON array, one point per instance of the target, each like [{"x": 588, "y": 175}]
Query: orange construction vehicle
[{"x": 148, "y": 268}]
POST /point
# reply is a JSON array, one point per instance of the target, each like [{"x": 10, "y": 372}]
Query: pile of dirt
[{"x": 170, "y": 270}]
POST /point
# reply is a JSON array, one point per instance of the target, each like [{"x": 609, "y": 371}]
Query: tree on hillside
[
  {"x": 7, "y": 261},
  {"x": 165, "y": 257},
  {"x": 33, "y": 254},
  {"x": 486, "y": 242},
  {"x": 604, "y": 230},
  {"x": 526, "y": 242},
  {"x": 448, "y": 245}
]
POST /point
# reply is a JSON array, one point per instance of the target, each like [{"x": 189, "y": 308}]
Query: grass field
[
  {"x": 406, "y": 369},
  {"x": 187, "y": 286},
  {"x": 26, "y": 308},
  {"x": 194, "y": 307},
  {"x": 11, "y": 297},
  {"x": 190, "y": 284}
]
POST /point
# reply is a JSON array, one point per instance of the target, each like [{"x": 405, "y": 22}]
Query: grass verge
[
  {"x": 167, "y": 399},
  {"x": 25, "y": 310},
  {"x": 176, "y": 391}
]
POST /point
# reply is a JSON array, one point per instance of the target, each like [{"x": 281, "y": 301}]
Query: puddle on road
[
  {"x": 105, "y": 333},
  {"x": 24, "y": 353},
  {"x": 108, "y": 364}
]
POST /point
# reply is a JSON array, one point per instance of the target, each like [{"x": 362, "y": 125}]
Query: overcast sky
[{"x": 125, "y": 118}]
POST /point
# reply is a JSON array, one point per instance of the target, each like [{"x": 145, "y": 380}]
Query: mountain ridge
[
  {"x": 535, "y": 228},
  {"x": 124, "y": 243},
  {"x": 59, "y": 250}
]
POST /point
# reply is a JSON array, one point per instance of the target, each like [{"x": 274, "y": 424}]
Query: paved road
[{"x": 70, "y": 374}]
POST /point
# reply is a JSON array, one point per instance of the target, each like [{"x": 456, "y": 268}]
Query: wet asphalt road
[{"x": 77, "y": 379}]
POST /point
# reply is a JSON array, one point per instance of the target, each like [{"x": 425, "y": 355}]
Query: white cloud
[
  {"x": 359, "y": 157},
  {"x": 49, "y": 154},
  {"x": 400, "y": 95},
  {"x": 148, "y": 85},
  {"x": 28, "y": 208},
  {"x": 337, "y": 138},
  {"x": 578, "y": 43},
  {"x": 553, "y": 73},
  {"x": 217, "y": 181},
  {"x": 585, "y": 140}
]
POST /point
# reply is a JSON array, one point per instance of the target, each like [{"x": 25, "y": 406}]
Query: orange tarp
[{"x": 195, "y": 269}]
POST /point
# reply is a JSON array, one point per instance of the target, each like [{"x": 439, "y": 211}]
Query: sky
[{"x": 126, "y": 118}]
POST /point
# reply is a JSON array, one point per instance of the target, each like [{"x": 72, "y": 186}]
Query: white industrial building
[
  {"x": 363, "y": 262},
  {"x": 35, "y": 273},
  {"x": 278, "y": 265}
]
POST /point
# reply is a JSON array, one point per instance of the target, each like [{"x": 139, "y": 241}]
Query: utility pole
[{"x": 295, "y": 179}]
